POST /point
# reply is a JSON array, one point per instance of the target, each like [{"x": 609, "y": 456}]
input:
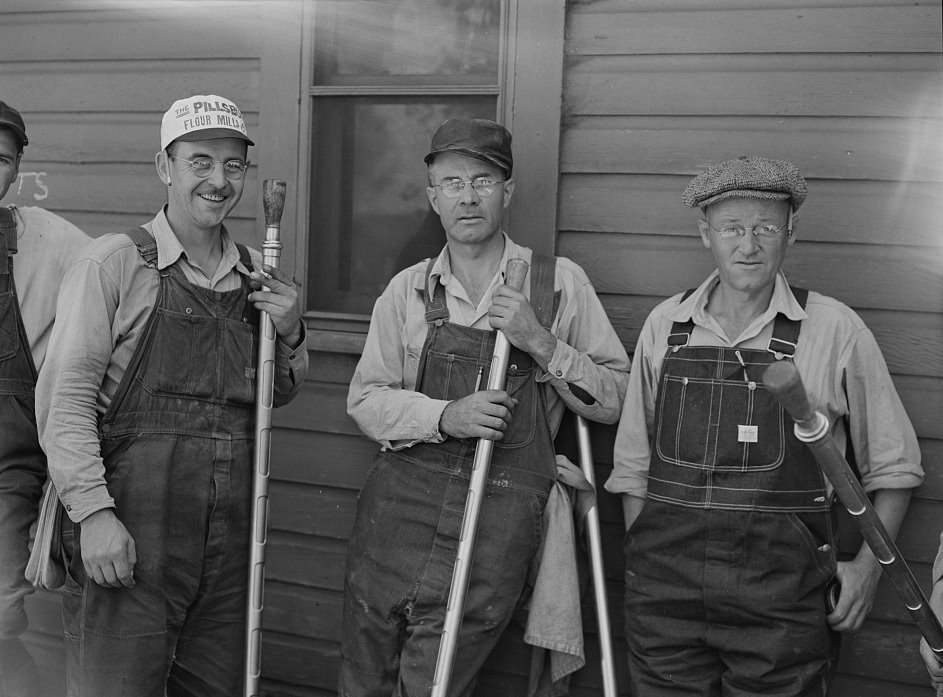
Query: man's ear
[
  {"x": 508, "y": 192},
  {"x": 705, "y": 231},
  {"x": 433, "y": 201},
  {"x": 162, "y": 162}
]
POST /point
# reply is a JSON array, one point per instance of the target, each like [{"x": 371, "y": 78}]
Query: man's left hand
[
  {"x": 512, "y": 314},
  {"x": 280, "y": 301},
  {"x": 859, "y": 582}
]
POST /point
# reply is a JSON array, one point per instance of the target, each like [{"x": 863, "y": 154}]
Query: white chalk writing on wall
[{"x": 37, "y": 178}]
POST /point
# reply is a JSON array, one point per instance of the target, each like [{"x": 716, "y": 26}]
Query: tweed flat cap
[{"x": 747, "y": 177}]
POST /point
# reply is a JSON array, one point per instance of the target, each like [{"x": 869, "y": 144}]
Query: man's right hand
[
  {"x": 482, "y": 414},
  {"x": 108, "y": 552}
]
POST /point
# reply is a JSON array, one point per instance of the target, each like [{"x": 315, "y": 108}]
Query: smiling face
[
  {"x": 470, "y": 218},
  {"x": 9, "y": 160},
  {"x": 194, "y": 203},
  {"x": 746, "y": 264}
]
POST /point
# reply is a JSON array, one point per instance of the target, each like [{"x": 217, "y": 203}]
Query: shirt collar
[
  {"x": 169, "y": 249},
  {"x": 442, "y": 267},
  {"x": 694, "y": 307}
]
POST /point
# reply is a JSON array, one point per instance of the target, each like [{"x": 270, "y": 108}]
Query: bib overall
[
  {"x": 409, "y": 516},
  {"x": 177, "y": 448},
  {"x": 727, "y": 564},
  {"x": 22, "y": 462}
]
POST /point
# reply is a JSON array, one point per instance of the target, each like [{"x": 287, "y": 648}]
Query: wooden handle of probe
[{"x": 273, "y": 201}]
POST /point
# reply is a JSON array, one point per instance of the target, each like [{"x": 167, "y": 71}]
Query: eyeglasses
[
  {"x": 204, "y": 166},
  {"x": 763, "y": 232},
  {"x": 483, "y": 186}
]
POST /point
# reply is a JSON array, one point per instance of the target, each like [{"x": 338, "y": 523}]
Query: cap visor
[
  {"x": 468, "y": 153},
  {"x": 211, "y": 134}
]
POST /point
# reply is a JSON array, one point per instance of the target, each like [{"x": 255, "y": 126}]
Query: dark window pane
[
  {"x": 364, "y": 42},
  {"x": 370, "y": 216}
]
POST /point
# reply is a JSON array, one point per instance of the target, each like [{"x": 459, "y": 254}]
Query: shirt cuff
[
  {"x": 428, "y": 418},
  {"x": 904, "y": 477},
  {"x": 634, "y": 484},
  {"x": 561, "y": 362},
  {"x": 81, "y": 506},
  {"x": 294, "y": 357}
]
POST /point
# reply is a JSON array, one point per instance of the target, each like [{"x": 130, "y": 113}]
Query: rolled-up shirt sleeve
[
  {"x": 632, "y": 449},
  {"x": 67, "y": 390},
  {"x": 886, "y": 448},
  {"x": 291, "y": 366},
  {"x": 387, "y": 410},
  {"x": 589, "y": 365}
]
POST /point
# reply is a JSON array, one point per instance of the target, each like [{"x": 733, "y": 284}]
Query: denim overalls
[
  {"x": 727, "y": 564},
  {"x": 22, "y": 462},
  {"x": 409, "y": 515},
  {"x": 177, "y": 447}
]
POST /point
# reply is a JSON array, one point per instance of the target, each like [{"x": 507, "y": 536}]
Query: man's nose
[
  {"x": 218, "y": 175},
  {"x": 468, "y": 193}
]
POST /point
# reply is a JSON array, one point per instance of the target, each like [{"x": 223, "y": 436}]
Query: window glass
[
  {"x": 378, "y": 41},
  {"x": 370, "y": 216}
]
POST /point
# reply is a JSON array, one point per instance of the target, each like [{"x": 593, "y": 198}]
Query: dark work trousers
[
  {"x": 409, "y": 516},
  {"x": 727, "y": 565},
  {"x": 22, "y": 463},
  {"x": 177, "y": 447}
]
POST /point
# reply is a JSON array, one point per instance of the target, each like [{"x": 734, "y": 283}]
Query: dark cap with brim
[
  {"x": 747, "y": 177},
  {"x": 478, "y": 138},
  {"x": 10, "y": 118}
]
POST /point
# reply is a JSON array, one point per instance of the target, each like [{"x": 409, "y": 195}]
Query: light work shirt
[
  {"x": 47, "y": 245},
  {"x": 383, "y": 399},
  {"x": 837, "y": 357},
  {"x": 106, "y": 299}
]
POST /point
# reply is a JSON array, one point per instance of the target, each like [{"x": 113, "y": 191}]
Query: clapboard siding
[
  {"x": 653, "y": 90},
  {"x": 851, "y": 92},
  {"x": 839, "y": 210},
  {"x": 92, "y": 80}
]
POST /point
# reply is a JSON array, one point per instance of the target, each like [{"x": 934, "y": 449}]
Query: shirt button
[
  {"x": 68, "y": 506},
  {"x": 559, "y": 373}
]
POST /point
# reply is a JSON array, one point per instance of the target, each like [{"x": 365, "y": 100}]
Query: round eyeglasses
[
  {"x": 764, "y": 232},
  {"x": 483, "y": 186},
  {"x": 204, "y": 166}
]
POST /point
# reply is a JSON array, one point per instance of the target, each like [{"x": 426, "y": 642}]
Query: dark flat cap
[
  {"x": 747, "y": 177},
  {"x": 479, "y": 138},
  {"x": 10, "y": 118}
]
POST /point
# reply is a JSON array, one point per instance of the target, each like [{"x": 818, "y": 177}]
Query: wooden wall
[
  {"x": 653, "y": 90},
  {"x": 850, "y": 92}
]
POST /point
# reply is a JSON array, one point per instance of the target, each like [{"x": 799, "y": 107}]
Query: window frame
[{"x": 529, "y": 101}]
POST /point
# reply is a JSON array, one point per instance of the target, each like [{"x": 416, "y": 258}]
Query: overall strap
[
  {"x": 7, "y": 245},
  {"x": 680, "y": 333},
  {"x": 436, "y": 308},
  {"x": 146, "y": 244},
  {"x": 543, "y": 299},
  {"x": 244, "y": 257},
  {"x": 785, "y": 330}
]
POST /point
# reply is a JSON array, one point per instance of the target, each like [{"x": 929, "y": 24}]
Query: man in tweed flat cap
[{"x": 732, "y": 584}]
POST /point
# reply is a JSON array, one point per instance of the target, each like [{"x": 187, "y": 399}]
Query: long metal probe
[
  {"x": 273, "y": 203},
  {"x": 514, "y": 276},
  {"x": 782, "y": 379},
  {"x": 593, "y": 536}
]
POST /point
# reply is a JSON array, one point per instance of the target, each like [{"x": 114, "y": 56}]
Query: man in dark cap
[
  {"x": 416, "y": 392},
  {"x": 147, "y": 414},
  {"x": 43, "y": 245},
  {"x": 730, "y": 550}
]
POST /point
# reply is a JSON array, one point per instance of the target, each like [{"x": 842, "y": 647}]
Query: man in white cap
[
  {"x": 732, "y": 584},
  {"x": 43, "y": 245},
  {"x": 146, "y": 414}
]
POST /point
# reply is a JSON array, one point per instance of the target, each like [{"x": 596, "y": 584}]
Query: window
[{"x": 384, "y": 75}]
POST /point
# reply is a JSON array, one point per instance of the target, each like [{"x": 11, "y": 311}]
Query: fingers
[{"x": 272, "y": 277}]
